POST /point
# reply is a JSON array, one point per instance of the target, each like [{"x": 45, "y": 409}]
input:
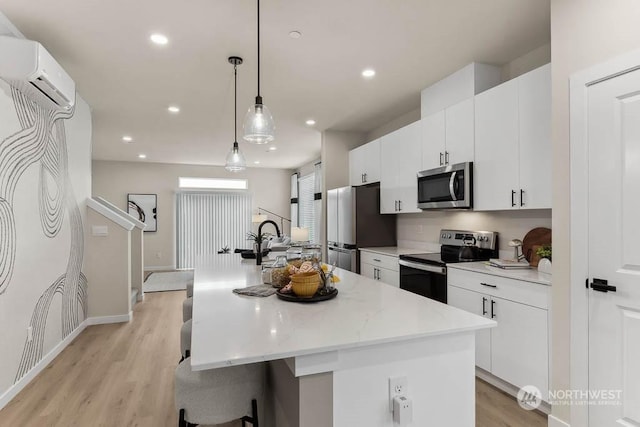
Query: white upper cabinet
[
  {"x": 433, "y": 140},
  {"x": 535, "y": 138},
  {"x": 496, "y": 167},
  {"x": 448, "y": 136},
  {"x": 364, "y": 164},
  {"x": 401, "y": 154},
  {"x": 513, "y": 144}
]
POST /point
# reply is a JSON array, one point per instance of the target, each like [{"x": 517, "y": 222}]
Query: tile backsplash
[{"x": 422, "y": 230}]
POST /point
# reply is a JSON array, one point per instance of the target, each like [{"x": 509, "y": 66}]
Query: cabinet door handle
[
  {"x": 362, "y": 178},
  {"x": 441, "y": 156},
  {"x": 399, "y": 205},
  {"x": 488, "y": 285},
  {"x": 513, "y": 198},
  {"x": 396, "y": 205},
  {"x": 446, "y": 157},
  {"x": 365, "y": 177},
  {"x": 521, "y": 197},
  {"x": 377, "y": 273},
  {"x": 493, "y": 314},
  {"x": 484, "y": 306}
]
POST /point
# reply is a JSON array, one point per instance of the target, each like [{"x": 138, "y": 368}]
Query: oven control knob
[
  {"x": 443, "y": 235},
  {"x": 448, "y": 236}
]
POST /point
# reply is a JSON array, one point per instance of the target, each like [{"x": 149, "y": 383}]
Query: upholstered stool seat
[
  {"x": 185, "y": 339},
  {"x": 217, "y": 396},
  {"x": 187, "y": 309}
]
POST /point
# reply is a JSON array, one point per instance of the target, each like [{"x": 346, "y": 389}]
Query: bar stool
[
  {"x": 185, "y": 339},
  {"x": 217, "y": 396},
  {"x": 190, "y": 288},
  {"x": 187, "y": 309}
]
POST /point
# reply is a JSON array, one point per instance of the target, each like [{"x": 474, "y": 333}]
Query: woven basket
[{"x": 305, "y": 285}]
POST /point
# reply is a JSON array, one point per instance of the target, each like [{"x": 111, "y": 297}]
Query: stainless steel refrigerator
[{"x": 354, "y": 221}]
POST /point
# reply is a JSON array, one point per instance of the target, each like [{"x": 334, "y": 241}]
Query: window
[
  {"x": 209, "y": 221},
  {"x": 212, "y": 183},
  {"x": 306, "y": 211}
]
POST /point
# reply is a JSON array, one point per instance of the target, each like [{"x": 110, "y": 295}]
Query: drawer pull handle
[
  {"x": 488, "y": 285},
  {"x": 376, "y": 259}
]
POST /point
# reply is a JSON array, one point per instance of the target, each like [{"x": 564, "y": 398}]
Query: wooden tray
[
  {"x": 537, "y": 237},
  {"x": 315, "y": 298}
]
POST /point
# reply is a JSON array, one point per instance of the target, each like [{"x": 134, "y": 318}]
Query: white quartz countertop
[
  {"x": 230, "y": 329},
  {"x": 392, "y": 250},
  {"x": 528, "y": 275}
]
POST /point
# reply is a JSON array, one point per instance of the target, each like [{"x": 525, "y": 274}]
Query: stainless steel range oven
[{"x": 426, "y": 274}]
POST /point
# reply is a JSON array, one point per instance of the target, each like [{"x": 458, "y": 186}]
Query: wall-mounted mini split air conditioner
[{"x": 28, "y": 67}]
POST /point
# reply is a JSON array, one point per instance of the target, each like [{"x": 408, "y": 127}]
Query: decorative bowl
[{"x": 305, "y": 285}]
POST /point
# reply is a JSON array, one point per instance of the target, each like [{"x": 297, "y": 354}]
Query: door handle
[
  {"x": 521, "y": 197},
  {"x": 441, "y": 155},
  {"x": 484, "y": 307},
  {"x": 602, "y": 285},
  {"x": 446, "y": 157},
  {"x": 513, "y": 201},
  {"x": 493, "y": 314}
]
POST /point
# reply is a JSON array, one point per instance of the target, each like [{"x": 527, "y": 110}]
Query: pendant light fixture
[
  {"x": 235, "y": 159},
  {"x": 258, "y": 125}
]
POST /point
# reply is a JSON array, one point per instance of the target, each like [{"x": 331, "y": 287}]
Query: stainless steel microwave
[{"x": 448, "y": 187}]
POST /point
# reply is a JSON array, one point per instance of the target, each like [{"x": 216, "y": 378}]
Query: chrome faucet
[{"x": 259, "y": 252}]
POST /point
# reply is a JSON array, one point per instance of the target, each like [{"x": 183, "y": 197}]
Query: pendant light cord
[
  {"x": 235, "y": 103},
  {"x": 258, "y": 48}
]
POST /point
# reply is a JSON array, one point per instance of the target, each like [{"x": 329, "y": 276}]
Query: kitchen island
[{"x": 330, "y": 362}]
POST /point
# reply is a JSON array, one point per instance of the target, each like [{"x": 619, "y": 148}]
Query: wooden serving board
[{"x": 537, "y": 237}]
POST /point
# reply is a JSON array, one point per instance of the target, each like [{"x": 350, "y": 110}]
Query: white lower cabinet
[
  {"x": 517, "y": 349},
  {"x": 380, "y": 267}
]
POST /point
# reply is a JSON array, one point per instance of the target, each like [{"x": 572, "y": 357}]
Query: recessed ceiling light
[
  {"x": 257, "y": 162},
  {"x": 174, "y": 109},
  {"x": 310, "y": 122},
  {"x": 273, "y": 148},
  {"x": 368, "y": 73},
  {"x": 295, "y": 34},
  {"x": 142, "y": 156},
  {"x": 127, "y": 139},
  {"x": 160, "y": 39}
]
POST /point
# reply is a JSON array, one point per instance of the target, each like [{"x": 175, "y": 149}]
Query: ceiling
[{"x": 129, "y": 82}]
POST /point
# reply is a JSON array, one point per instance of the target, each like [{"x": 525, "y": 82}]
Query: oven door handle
[
  {"x": 452, "y": 183},
  {"x": 423, "y": 267}
]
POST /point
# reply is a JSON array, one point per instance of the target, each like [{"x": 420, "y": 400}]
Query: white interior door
[{"x": 614, "y": 247}]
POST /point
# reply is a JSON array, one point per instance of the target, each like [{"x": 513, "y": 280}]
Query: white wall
[
  {"x": 583, "y": 33},
  {"x": 114, "y": 180},
  {"x": 42, "y": 250}
]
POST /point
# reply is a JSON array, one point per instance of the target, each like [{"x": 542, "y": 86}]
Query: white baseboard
[
  {"x": 555, "y": 422},
  {"x": 41, "y": 365},
  {"x": 121, "y": 318},
  {"x": 159, "y": 267}
]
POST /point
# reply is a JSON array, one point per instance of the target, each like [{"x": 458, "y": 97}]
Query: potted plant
[
  {"x": 257, "y": 240},
  {"x": 544, "y": 265}
]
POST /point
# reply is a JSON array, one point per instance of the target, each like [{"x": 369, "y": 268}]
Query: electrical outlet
[
  {"x": 397, "y": 387},
  {"x": 30, "y": 334}
]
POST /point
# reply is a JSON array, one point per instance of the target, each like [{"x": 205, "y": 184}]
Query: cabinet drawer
[
  {"x": 510, "y": 289},
  {"x": 385, "y": 261}
]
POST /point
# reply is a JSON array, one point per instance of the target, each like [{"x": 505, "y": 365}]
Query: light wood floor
[{"x": 122, "y": 375}]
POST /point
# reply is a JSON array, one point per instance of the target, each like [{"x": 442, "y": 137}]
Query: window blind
[
  {"x": 206, "y": 222},
  {"x": 306, "y": 216}
]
